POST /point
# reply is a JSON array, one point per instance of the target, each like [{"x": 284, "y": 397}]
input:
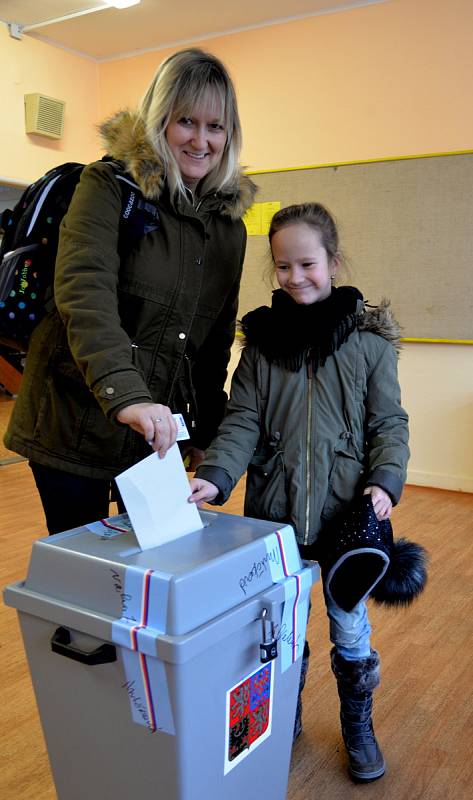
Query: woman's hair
[
  {"x": 181, "y": 84},
  {"x": 314, "y": 215}
]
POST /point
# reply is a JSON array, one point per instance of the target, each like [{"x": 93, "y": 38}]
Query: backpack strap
[{"x": 138, "y": 215}]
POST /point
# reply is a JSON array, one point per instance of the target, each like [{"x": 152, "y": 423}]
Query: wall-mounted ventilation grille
[{"x": 44, "y": 115}]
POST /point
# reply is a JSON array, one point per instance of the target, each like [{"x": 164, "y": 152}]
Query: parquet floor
[{"x": 424, "y": 707}]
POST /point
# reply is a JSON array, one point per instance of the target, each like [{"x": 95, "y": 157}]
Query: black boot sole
[{"x": 367, "y": 777}]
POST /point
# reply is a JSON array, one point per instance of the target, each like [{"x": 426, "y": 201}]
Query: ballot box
[{"x": 170, "y": 673}]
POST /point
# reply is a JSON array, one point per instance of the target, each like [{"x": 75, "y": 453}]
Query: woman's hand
[
  {"x": 154, "y": 421},
  {"x": 202, "y": 491},
  {"x": 382, "y": 503}
]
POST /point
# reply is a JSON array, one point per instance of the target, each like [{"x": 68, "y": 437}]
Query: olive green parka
[
  {"x": 154, "y": 326},
  {"x": 309, "y": 443}
]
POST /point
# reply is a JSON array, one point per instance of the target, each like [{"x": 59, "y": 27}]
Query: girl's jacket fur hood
[
  {"x": 381, "y": 320},
  {"x": 124, "y": 138},
  {"x": 278, "y": 326}
]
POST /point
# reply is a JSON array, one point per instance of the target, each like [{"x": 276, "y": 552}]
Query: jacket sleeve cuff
[
  {"x": 120, "y": 389},
  {"x": 220, "y": 478},
  {"x": 388, "y": 481}
]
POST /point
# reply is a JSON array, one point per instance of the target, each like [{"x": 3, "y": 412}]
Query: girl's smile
[{"x": 303, "y": 268}]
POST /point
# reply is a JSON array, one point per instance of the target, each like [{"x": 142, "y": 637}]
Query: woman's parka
[{"x": 154, "y": 326}]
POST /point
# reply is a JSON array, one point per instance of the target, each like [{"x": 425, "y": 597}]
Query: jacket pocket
[
  {"x": 70, "y": 422},
  {"x": 344, "y": 480},
  {"x": 266, "y": 495}
]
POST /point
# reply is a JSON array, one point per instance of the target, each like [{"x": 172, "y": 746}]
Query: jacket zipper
[
  {"x": 201, "y": 200},
  {"x": 308, "y": 451},
  {"x": 195, "y": 205},
  {"x": 191, "y": 409}
]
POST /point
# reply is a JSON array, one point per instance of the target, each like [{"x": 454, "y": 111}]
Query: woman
[{"x": 137, "y": 338}]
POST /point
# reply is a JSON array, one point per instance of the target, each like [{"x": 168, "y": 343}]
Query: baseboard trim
[{"x": 454, "y": 483}]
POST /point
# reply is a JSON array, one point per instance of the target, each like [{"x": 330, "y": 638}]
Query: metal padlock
[{"x": 269, "y": 645}]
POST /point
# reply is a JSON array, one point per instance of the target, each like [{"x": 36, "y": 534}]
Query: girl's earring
[{"x": 332, "y": 277}]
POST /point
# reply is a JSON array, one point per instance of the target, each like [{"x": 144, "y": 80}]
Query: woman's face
[
  {"x": 197, "y": 142},
  {"x": 303, "y": 267}
]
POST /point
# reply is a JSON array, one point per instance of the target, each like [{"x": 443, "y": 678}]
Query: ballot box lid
[{"x": 174, "y": 588}]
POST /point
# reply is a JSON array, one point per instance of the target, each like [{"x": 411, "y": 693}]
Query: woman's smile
[{"x": 197, "y": 142}]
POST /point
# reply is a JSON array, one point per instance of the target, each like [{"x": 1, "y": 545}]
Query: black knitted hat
[{"x": 360, "y": 559}]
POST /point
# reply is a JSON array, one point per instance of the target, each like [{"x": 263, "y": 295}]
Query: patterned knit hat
[{"x": 360, "y": 559}]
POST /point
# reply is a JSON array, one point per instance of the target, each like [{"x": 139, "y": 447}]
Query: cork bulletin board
[{"x": 406, "y": 231}]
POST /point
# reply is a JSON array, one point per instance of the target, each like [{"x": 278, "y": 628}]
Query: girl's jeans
[{"x": 349, "y": 630}]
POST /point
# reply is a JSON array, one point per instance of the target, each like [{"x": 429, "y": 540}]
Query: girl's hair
[
  {"x": 313, "y": 214},
  {"x": 182, "y": 83}
]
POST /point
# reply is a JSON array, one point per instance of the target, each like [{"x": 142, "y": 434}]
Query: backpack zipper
[
  {"x": 40, "y": 203},
  {"x": 18, "y": 251}
]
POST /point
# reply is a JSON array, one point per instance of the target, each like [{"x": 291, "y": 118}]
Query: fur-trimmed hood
[
  {"x": 381, "y": 320},
  {"x": 289, "y": 334},
  {"x": 124, "y": 138}
]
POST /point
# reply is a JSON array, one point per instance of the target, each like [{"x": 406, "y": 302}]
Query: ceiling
[{"x": 109, "y": 33}]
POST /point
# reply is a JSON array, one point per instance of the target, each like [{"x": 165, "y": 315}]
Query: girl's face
[
  {"x": 303, "y": 268},
  {"x": 197, "y": 142}
]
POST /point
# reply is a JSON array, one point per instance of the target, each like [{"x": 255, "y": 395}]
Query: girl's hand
[
  {"x": 382, "y": 503},
  {"x": 202, "y": 491},
  {"x": 154, "y": 421}
]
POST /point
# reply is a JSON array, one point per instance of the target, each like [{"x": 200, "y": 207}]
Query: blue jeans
[{"x": 349, "y": 630}]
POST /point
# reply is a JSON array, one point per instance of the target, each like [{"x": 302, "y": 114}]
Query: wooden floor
[{"x": 424, "y": 709}]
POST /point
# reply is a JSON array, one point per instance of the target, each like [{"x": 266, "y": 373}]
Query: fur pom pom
[{"x": 405, "y": 577}]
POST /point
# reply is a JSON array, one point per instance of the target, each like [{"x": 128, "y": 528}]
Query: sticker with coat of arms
[{"x": 249, "y": 715}]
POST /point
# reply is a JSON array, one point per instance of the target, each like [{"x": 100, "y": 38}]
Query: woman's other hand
[
  {"x": 382, "y": 503},
  {"x": 202, "y": 491},
  {"x": 154, "y": 421}
]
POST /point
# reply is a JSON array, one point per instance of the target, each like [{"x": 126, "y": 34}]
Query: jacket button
[
  {"x": 109, "y": 390},
  {"x": 182, "y": 336}
]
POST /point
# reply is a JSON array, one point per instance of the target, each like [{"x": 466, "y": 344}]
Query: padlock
[{"x": 269, "y": 646}]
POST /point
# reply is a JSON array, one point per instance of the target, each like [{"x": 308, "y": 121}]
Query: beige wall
[
  {"x": 29, "y": 66},
  {"x": 385, "y": 80},
  {"x": 437, "y": 385},
  {"x": 374, "y": 82}
]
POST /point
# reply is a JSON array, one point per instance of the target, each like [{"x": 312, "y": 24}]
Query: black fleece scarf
[{"x": 289, "y": 334}]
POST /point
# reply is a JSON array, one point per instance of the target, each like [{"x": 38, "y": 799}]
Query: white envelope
[{"x": 155, "y": 493}]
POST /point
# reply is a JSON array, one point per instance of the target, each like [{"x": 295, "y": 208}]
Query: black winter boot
[{"x": 356, "y": 681}]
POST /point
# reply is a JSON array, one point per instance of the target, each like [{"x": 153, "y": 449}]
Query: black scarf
[{"x": 289, "y": 334}]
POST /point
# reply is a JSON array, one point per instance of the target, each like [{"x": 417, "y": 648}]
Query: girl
[
  {"x": 136, "y": 338},
  {"x": 315, "y": 418}
]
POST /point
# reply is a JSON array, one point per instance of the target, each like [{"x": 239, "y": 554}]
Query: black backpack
[{"x": 30, "y": 240}]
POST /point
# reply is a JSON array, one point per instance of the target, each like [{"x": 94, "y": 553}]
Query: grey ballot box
[{"x": 147, "y": 666}]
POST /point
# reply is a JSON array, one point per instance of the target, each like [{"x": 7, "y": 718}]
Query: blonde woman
[{"x": 136, "y": 338}]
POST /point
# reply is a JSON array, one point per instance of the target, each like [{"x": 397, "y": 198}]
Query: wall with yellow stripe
[{"x": 376, "y": 82}]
